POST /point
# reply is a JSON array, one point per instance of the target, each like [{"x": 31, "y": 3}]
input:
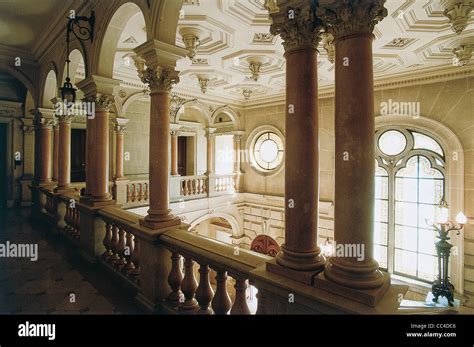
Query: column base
[
  {"x": 306, "y": 277},
  {"x": 93, "y": 203},
  {"x": 356, "y": 275},
  {"x": 64, "y": 189},
  {"x": 368, "y": 297},
  {"x": 160, "y": 220},
  {"x": 299, "y": 261}
]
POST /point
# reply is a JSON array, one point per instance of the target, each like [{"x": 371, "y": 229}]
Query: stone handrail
[
  {"x": 137, "y": 193},
  {"x": 222, "y": 184},
  {"x": 189, "y": 296},
  {"x": 122, "y": 240},
  {"x": 188, "y": 187}
]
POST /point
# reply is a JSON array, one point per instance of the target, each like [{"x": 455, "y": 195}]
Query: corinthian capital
[
  {"x": 102, "y": 102},
  {"x": 298, "y": 27},
  {"x": 351, "y": 16},
  {"x": 158, "y": 79}
]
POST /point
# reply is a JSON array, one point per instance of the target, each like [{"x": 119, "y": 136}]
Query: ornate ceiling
[{"x": 234, "y": 36}]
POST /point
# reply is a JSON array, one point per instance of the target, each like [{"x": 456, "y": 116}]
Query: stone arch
[
  {"x": 20, "y": 76},
  {"x": 164, "y": 20},
  {"x": 77, "y": 51},
  {"x": 202, "y": 113},
  {"x": 49, "y": 86},
  {"x": 454, "y": 174},
  {"x": 126, "y": 104},
  {"x": 229, "y": 112},
  {"x": 227, "y": 216},
  {"x": 115, "y": 19}
]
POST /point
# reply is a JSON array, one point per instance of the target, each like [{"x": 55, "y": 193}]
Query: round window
[
  {"x": 392, "y": 142},
  {"x": 268, "y": 151}
]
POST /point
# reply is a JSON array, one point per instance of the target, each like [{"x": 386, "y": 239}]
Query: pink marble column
[
  {"x": 119, "y": 137},
  {"x": 56, "y": 152},
  {"x": 352, "y": 29},
  {"x": 160, "y": 81},
  {"x": 64, "y": 154},
  {"x": 43, "y": 142}
]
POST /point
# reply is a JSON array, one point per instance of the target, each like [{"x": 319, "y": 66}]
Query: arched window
[{"x": 410, "y": 171}]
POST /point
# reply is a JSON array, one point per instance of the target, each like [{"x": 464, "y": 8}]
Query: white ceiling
[{"x": 414, "y": 36}]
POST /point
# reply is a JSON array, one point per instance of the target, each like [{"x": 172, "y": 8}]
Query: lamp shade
[
  {"x": 461, "y": 218},
  {"x": 68, "y": 92},
  {"x": 442, "y": 213}
]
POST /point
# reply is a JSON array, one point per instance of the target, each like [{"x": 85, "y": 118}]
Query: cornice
[{"x": 406, "y": 79}]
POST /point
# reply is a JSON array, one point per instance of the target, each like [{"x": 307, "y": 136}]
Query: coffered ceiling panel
[{"x": 234, "y": 37}]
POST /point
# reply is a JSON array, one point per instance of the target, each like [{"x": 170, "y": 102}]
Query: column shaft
[
  {"x": 174, "y": 153},
  {"x": 159, "y": 213},
  {"x": 64, "y": 155},
  {"x": 354, "y": 163},
  {"x": 56, "y": 153},
  {"x": 100, "y": 187},
  {"x": 210, "y": 153},
  {"x": 44, "y": 158},
  {"x": 300, "y": 250},
  {"x": 237, "y": 139},
  {"x": 89, "y": 157},
  {"x": 119, "y": 154}
]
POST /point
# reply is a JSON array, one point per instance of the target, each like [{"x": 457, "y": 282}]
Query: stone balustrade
[{"x": 137, "y": 193}]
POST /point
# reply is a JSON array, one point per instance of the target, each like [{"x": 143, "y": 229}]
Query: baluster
[
  {"x": 204, "y": 187},
  {"x": 134, "y": 192},
  {"x": 121, "y": 248},
  {"x": 221, "y": 303},
  {"x": 67, "y": 218},
  {"x": 136, "y": 259},
  {"x": 128, "y": 254},
  {"x": 240, "y": 304},
  {"x": 189, "y": 187},
  {"x": 146, "y": 192},
  {"x": 114, "y": 244},
  {"x": 140, "y": 192},
  {"x": 204, "y": 292},
  {"x": 193, "y": 186},
  {"x": 107, "y": 240},
  {"x": 174, "y": 280},
  {"x": 128, "y": 192},
  {"x": 189, "y": 286},
  {"x": 76, "y": 215}
]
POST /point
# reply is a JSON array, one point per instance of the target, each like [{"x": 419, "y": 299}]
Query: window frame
[{"x": 392, "y": 164}]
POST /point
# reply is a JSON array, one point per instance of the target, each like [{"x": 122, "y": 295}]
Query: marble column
[
  {"x": 300, "y": 37},
  {"x": 237, "y": 146},
  {"x": 64, "y": 153},
  {"x": 210, "y": 151},
  {"x": 119, "y": 136},
  {"x": 352, "y": 26},
  {"x": 98, "y": 93},
  {"x": 160, "y": 80},
  {"x": 43, "y": 139},
  {"x": 56, "y": 152},
  {"x": 100, "y": 186},
  {"x": 174, "y": 153}
]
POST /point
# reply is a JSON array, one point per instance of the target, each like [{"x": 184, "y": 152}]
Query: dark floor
[{"x": 45, "y": 286}]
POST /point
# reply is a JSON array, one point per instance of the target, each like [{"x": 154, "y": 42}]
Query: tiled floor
[{"x": 49, "y": 285}]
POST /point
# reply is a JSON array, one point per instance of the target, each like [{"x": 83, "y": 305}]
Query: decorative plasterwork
[
  {"x": 158, "y": 79},
  {"x": 458, "y": 12},
  {"x": 399, "y": 42},
  {"x": 214, "y": 35},
  {"x": 463, "y": 54},
  {"x": 263, "y": 38},
  {"x": 249, "y": 12},
  {"x": 296, "y": 27},
  {"x": 348, "y": 16}
]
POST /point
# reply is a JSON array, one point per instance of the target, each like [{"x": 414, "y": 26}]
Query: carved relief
[{"x": 348, "y": 16}]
